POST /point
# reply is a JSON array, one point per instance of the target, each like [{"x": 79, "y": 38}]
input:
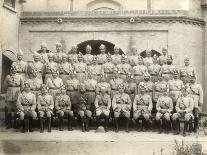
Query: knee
[
  {"x": 106, "y": 113},
  {"x": 88, "y": 113},
  {"x": 98, "y": 113},
  {"x": 167, "y": 116},
  {"x": 135, "y": 116},
  {"x": 61, "y": 113},
  {"x": 70, "y": 113},
  {"x": 21, "y": 115},
  {"x": 48, "y": 113},
  {"x": 146, "y": 116},
  {"x": 116, "y": 114},
  {"x": 174, "y": 117},
  {"x": 81, "y": 113},
  {"x": 34, "y": 115},
  {"x": 158, "y": 116},
  {"x": 187, "y": 117},
  {"x": 127, "y": 115},
  {"x": 41, "y": 114}
]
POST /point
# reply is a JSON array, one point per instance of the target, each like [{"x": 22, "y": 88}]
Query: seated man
[
  {"x": 84, "y": 108},
  {"x": 45, "y": 105},
  {"x": 164, "y": 108},
  {"x": 63, "y": 107},
  {"x": 121, "y": 105},
  {"x": 142, "y": 106},
  {"x": 184, "y": 108},
  {"x": 26, "y": 105},
  {"x": 103, "y": 104}
]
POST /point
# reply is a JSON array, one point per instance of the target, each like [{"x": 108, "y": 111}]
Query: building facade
[{"x": 179, "y": 25}]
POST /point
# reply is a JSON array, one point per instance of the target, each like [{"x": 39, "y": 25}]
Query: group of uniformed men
[{"x": 104, "y": 85}]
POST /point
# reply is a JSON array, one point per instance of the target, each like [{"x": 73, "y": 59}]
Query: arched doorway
[
  {"x": 143, "y": 53},
  {"x": 95, "y": 46},
  {"x": 7, "y": 58}
]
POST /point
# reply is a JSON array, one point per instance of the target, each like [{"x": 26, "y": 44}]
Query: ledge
[{"x": 9, "y": 8}]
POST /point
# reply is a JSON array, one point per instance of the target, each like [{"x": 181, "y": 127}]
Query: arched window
[{"x": 102, "y": 5}]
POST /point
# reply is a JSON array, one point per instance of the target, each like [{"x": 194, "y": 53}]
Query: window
[{"x": 10, "y": 3}]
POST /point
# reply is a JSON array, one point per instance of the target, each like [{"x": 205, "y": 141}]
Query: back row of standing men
[{"x": 75, "y": 70}]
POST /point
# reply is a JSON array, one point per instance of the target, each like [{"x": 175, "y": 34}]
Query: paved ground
[{"x": 92, "y": 143}]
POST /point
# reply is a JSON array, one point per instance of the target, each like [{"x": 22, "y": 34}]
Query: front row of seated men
[{"x": 104, "y": 107}]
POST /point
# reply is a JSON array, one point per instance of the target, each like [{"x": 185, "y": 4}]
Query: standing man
[
  {"x": 95, "y": 69},
  {"x": 154, "y": 69},
  {"x": 58, "y": 54},
  {"x": 139, "y": 70},
  {"x": 26, "y": 105},
  {"x": 196, "y": 92},
  {"x": 13, "y": 85},
  {"x": 43, "y": 53},
  {"x": 108, "y": 68},
  {"x": 103, "y": 83},
  {"x": 80, "y": 68},
  {"x": 163, "y": 57},
  {"x": 63, "y": 107},
  {"x": 116, "y": 57},
  {"x": 21, "y": 65},
  {"x": 186, "y": 71},
  {"x": 88, "y": 57},
  {"x": 45, "y": 105},
  {"x": 64, "y": 68},
  {"x": 103, "y": 105},
  {"x": 164, "y": 109},
  {"x": 134, "y": 57},
  {"x": 72, "y": 55},
  {"x": 148, "y": 59},
  {"x": 184, "y": 109},
  {"x": 124, "y": 67},
  {"x": 102, "y": 55},
  {"x": 121, "y": 105},
  {"x": 142, "y": 107}
]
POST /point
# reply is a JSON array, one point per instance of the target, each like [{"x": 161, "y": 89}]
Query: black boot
[
  {"x": 83, "y": 123},
  {"x": 98, "y": 120},
  {"x": 195, "y": 124},
  {"x": 106, "y": 123},
  {"x": 168, "y": 126},
  {"x": 176, "y": 127},
  {"x": 87, "y": 122},
  {"x": 60, "y": 123},
  {"x": 159, "y": 124},
  {"x": 117, "y": 125},
  {"x": 185, "y": 128},
  {"x": 41, "y": 125},
  {"x": 49, "y": 124},
  {"x": 30, "y": 125},
  {"x": 69, "y": 123},
  {"x": 9, "y": 121},
  {"x": 6, "y": 116},
  {"x": 23, "y": 126},
  {"x": 127, "y": 124}
]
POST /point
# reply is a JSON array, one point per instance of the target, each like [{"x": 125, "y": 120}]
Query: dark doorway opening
[
  {"x": 95, "y": 47},
  {"x": 153, "y": 52}
]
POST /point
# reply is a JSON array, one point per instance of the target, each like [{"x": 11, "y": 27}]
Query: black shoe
[
  {"x": 41, "y": 126},
  {"x": 31, "y": 125},
  {"x": 23, "y": 126},
  {"x": 49, "y": 124}
]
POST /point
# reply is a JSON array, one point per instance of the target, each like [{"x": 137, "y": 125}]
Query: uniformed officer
[
  {"x": 115, "y": 82},
  {"x": 108, "y": 68},
  {"x": 80, "y": 68},
  {"x": 175, "y": 85},
  {"x": 148, "y": 59},
  {"x": 50, "y": 66},
  {"x": 103, "y": 105},
  {"x": 84, "y": 108},
  {"x": 95, "y": 69},
  {"x": 102, "y": 55},
  {"x": 13, "y": 84},
  {"x": 121, "y": 105},
  {"x": 196, "y": 92},
  {"x": 54, "y": 84},
  {"x": 148, "y": 84},
  {"x": 164, "y": 109},
  {"x": 167, "y": 69},
  {"x": 64, "y": 68},
  {"x": 26, "y": 105},
  {"x": 184, "y": 109},
  {"x": 132, "y": 59},
  {"x": 116, "y": 57},
  {"x": 63, "y": 107},
  {"x": 142, "y": 107},
  {"x": 139, "y": 70},
  {"x": 72, "y": 86},
  {"x": 154, "y": 69},
  {"x": 72, "y": 55},
  {"x": 88, "y": 57},
  {"x": 45, "y": 106},
  {"x": 58, "y": 54},
  {"x": 163, "y": 57},
  {"x": 36, "y": 65},
  {"x": 35, "y": 83},
  {"x": 21, "y": 65},
  {"x": 103, "y": 83},
  {"x": 90, "y": 85},
  {"x": 124, "y": 67},
  {"x": 186, "y": 70},
  {"x": 43, "y": 53}
]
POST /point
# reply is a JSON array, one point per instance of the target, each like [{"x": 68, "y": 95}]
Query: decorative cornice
[{"x": 134, "y": 16}]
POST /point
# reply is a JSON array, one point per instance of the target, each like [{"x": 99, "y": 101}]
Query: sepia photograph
[{"x": 103, "y": 77}]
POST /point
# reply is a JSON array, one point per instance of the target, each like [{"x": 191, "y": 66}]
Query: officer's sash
[
  {"x": 26, "y": 101},
  {"x": 182, "y": 105},
  {"x": 193, "y": 92},
  {"x": 44, "y": 99},
  {"x": 103, "y": 102},
  {"x": 141, "y": 101},
  {"x": 164, "y": 105},
  {"x": 53, "y": 82}
]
